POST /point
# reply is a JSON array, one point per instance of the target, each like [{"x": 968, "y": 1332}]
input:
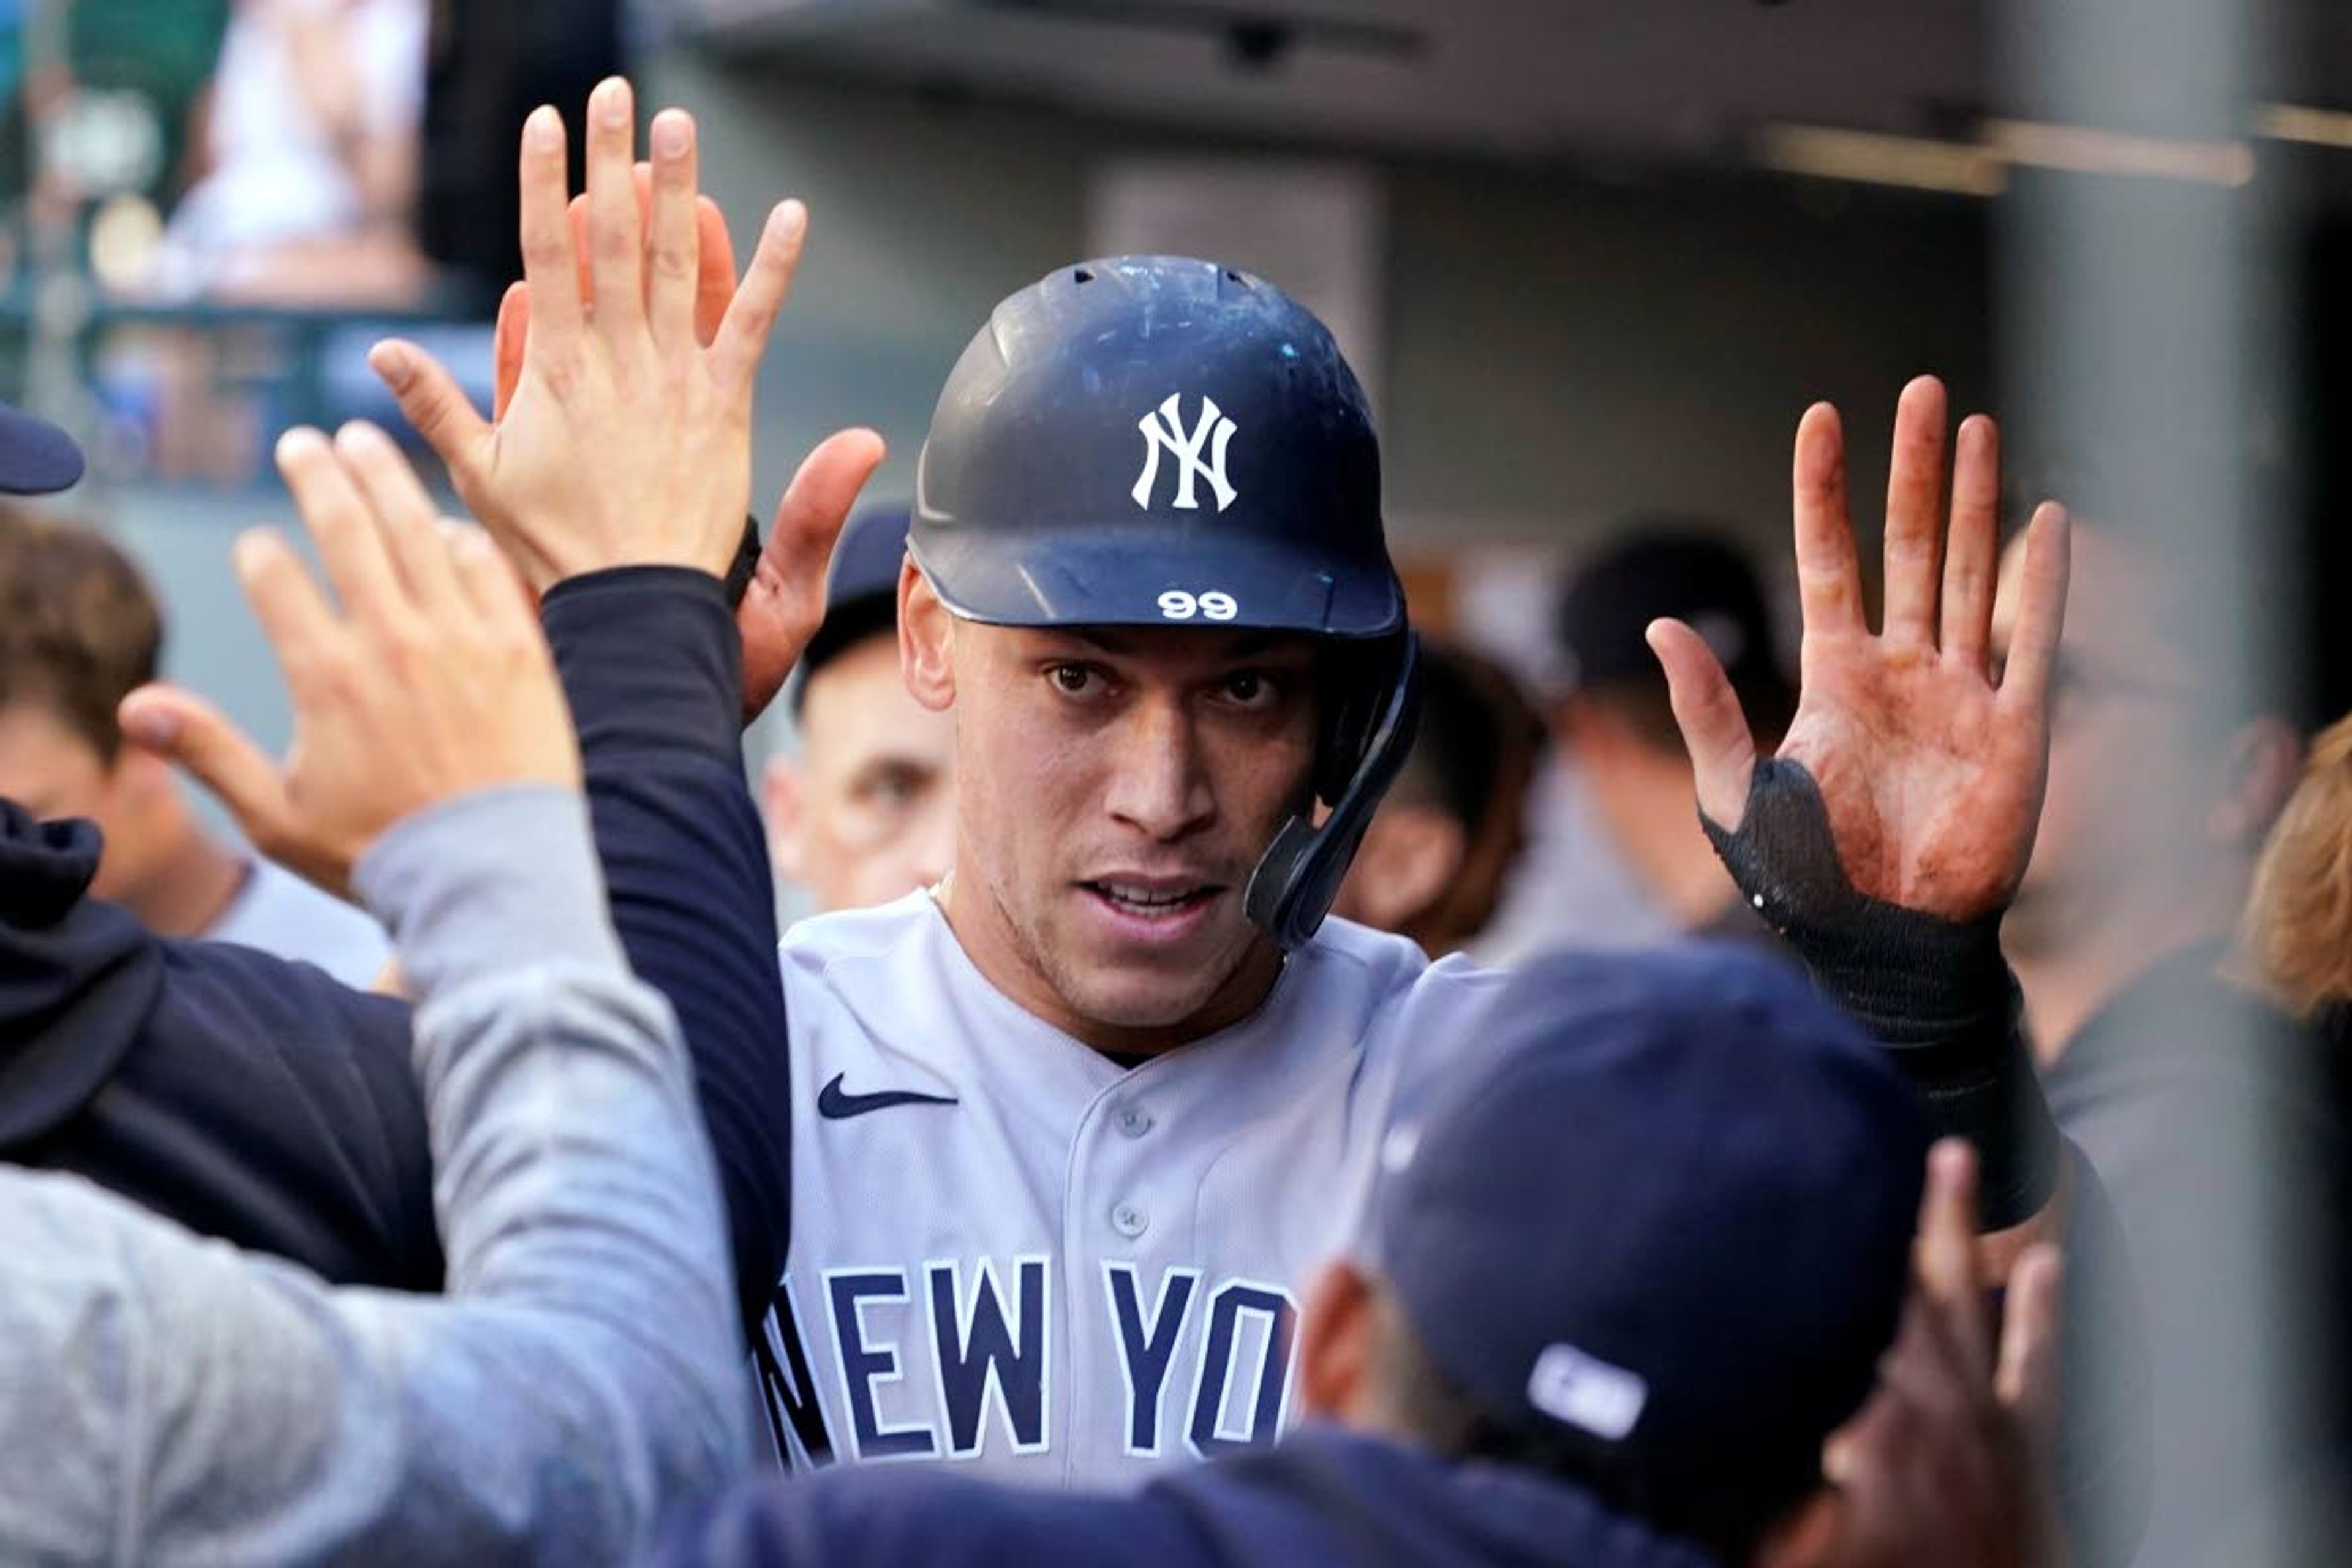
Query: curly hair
[{"x": 2297, "y": 926}]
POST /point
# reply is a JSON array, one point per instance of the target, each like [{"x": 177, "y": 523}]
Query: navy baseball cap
[
  {"x": 1659, "y": 1232},
  {"x": 1678, "y": 568},
  {"x": 861, "y": 589},
  {"x": 36, "y": 458}
]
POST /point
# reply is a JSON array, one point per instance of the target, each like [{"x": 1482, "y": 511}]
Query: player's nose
[{"x": 1159, "y": 779}]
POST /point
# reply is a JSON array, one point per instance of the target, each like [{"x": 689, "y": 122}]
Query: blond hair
[{"x": 2298, "y": 922}]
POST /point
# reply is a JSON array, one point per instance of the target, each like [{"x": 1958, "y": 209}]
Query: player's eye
[
  {"x": 1075, "y": 679},
  {"x": 1250, "y": 690},
  {"x": 894, "y": 788}
]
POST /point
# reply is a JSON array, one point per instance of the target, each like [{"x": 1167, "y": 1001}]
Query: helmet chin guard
[{"x": 1299, "y": 874}]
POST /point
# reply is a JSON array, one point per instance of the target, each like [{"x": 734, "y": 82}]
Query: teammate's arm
[
  {"x": 580, "y": 1379},
  {"x": 618, "y": 475},
  {"x": 1888, "y": 836},
  {"x": 1889, "y": 833}
]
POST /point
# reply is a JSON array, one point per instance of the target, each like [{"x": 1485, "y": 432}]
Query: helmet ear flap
[
  {"x": 1357, "y": 680},
  {"x": 1364, "y": 744}
]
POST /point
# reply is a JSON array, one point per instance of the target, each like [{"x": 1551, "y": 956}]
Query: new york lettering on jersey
[{"x": 1010, "y": 1252}]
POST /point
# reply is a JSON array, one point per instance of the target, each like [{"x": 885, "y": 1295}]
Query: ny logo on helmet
[{"x": 1164, "y": 427}]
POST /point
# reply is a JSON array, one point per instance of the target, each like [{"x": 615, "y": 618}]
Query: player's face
[
  {"x": 866, "y": 813},
  {"x": 2121, "y": 818},
  {"x": 50, "y": 769},
  {"x": 1115, "y": 787}
]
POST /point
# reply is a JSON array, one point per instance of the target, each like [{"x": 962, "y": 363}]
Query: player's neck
[
  {"x": 1000, "y": 964},
  {"x": 193, "y": 888},
  {"x": 2068, "y": 978}
]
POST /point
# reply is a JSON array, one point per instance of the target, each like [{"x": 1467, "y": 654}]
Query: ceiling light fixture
[
  {"x": 2086, "y": 150},
  {"x": 1873, "y": 158},
  {"x": 2298, "y": 123}
]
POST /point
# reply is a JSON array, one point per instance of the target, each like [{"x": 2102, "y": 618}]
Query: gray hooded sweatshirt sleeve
[{"x": 169, "y": 1400}]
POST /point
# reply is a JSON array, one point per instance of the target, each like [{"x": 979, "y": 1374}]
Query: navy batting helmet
[{"x": 1157, "y": 441}]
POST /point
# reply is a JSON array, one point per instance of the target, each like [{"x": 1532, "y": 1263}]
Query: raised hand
[
  {"x": 1948, "y": 1461},
  {"x": 784, "y": 603},
  {"x": 714, "y": 284},
  {"x": 1930, "y": 770},
  {"x": 431, "y": 682},
  {"x": 627, "y": 441}
]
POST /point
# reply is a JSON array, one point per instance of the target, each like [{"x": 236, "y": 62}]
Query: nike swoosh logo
[{"x": 835, "y": 1105}]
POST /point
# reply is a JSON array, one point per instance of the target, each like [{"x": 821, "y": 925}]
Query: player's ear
[
  {"x": 926, "y": 637},
  {"x": 1336, "y": 1344},
  {"x": 781, "y": 804},
  {"x": 2265, "y": 759},
  {"x": 1412, "y": 855}
]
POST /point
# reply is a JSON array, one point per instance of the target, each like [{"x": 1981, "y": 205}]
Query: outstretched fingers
[
  {"x": 818, "y": 502},
  {"x": 1972, "y": 553},
  {"x": 1829, "y": 577},
  {"x": 785, "y": 600},
  {"x": 1915, "y": 515},
  {"x": 714, "y": 286},
  {"x": 743, "y": 334},
  {"x": 294, "y": 615},
  {"x": 615, "y": 239},
  {"x": 344, "y": 526},
  {"x": 409, "y": 522},
  {"x": 2028, "y": 1382},
  {"x": 550, "y": 264},
  {"x": 433, "y": 402},
  {"x": 672, "y": 243},
  {"x": 1708, "y": 712},
  {"x": 196, "y": 736},
  {"x": 1947, "y": 1257},
  {"x": 2041, "y": 610}
]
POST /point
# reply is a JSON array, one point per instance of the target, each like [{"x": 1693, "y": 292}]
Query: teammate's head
[
  {"x": 1615, "y": 721},
  {"x": 1433, "y": 862},
  {"x": 1691, "y": 571},
  {"x": 1147, "y": 577},
  {"x": 1652, "y": 1239},
  {"x": 2298, "y": 922},
  {"x": 2161, "y": 784},
  {"x": 79, "y": 632},
  {"x": 863, "y": 810}
]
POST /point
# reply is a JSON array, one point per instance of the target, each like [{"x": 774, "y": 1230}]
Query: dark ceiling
[{"x": 1529, "y": 79}]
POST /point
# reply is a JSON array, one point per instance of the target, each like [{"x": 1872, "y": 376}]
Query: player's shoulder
[
  {"x": 1393, "y": 969},
  {"x": 889, "y": 965},
  {"x": 817, "y": 941},
  {"x": 278, "y": 913}
]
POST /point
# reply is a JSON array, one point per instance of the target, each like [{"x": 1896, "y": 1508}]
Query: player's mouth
[{"x": 1151, "y": 908}]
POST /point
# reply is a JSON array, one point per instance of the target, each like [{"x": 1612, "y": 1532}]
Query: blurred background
[{"x": 1592, "y": 260}]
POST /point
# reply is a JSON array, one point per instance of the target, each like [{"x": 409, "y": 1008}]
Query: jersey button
[
  {"x": 1129, "y": 1221},
  {"x": 1134, "y": 1121}
]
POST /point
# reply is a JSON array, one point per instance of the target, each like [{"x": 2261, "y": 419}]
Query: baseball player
[
  {"x": 1067, "y": 1133},
  {"x": 862, "y": 808}
]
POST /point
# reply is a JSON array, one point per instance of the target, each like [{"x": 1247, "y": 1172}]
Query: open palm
[{"x": 1930, "y": 771}]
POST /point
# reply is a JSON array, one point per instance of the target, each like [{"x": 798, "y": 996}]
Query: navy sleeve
[{"x": 652, "y": 666}]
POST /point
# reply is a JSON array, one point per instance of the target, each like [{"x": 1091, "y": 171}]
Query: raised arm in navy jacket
[{"x": 652, "y": 666}]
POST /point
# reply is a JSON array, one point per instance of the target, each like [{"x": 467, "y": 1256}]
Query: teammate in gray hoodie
[{"x": 174, "y": 1400}]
